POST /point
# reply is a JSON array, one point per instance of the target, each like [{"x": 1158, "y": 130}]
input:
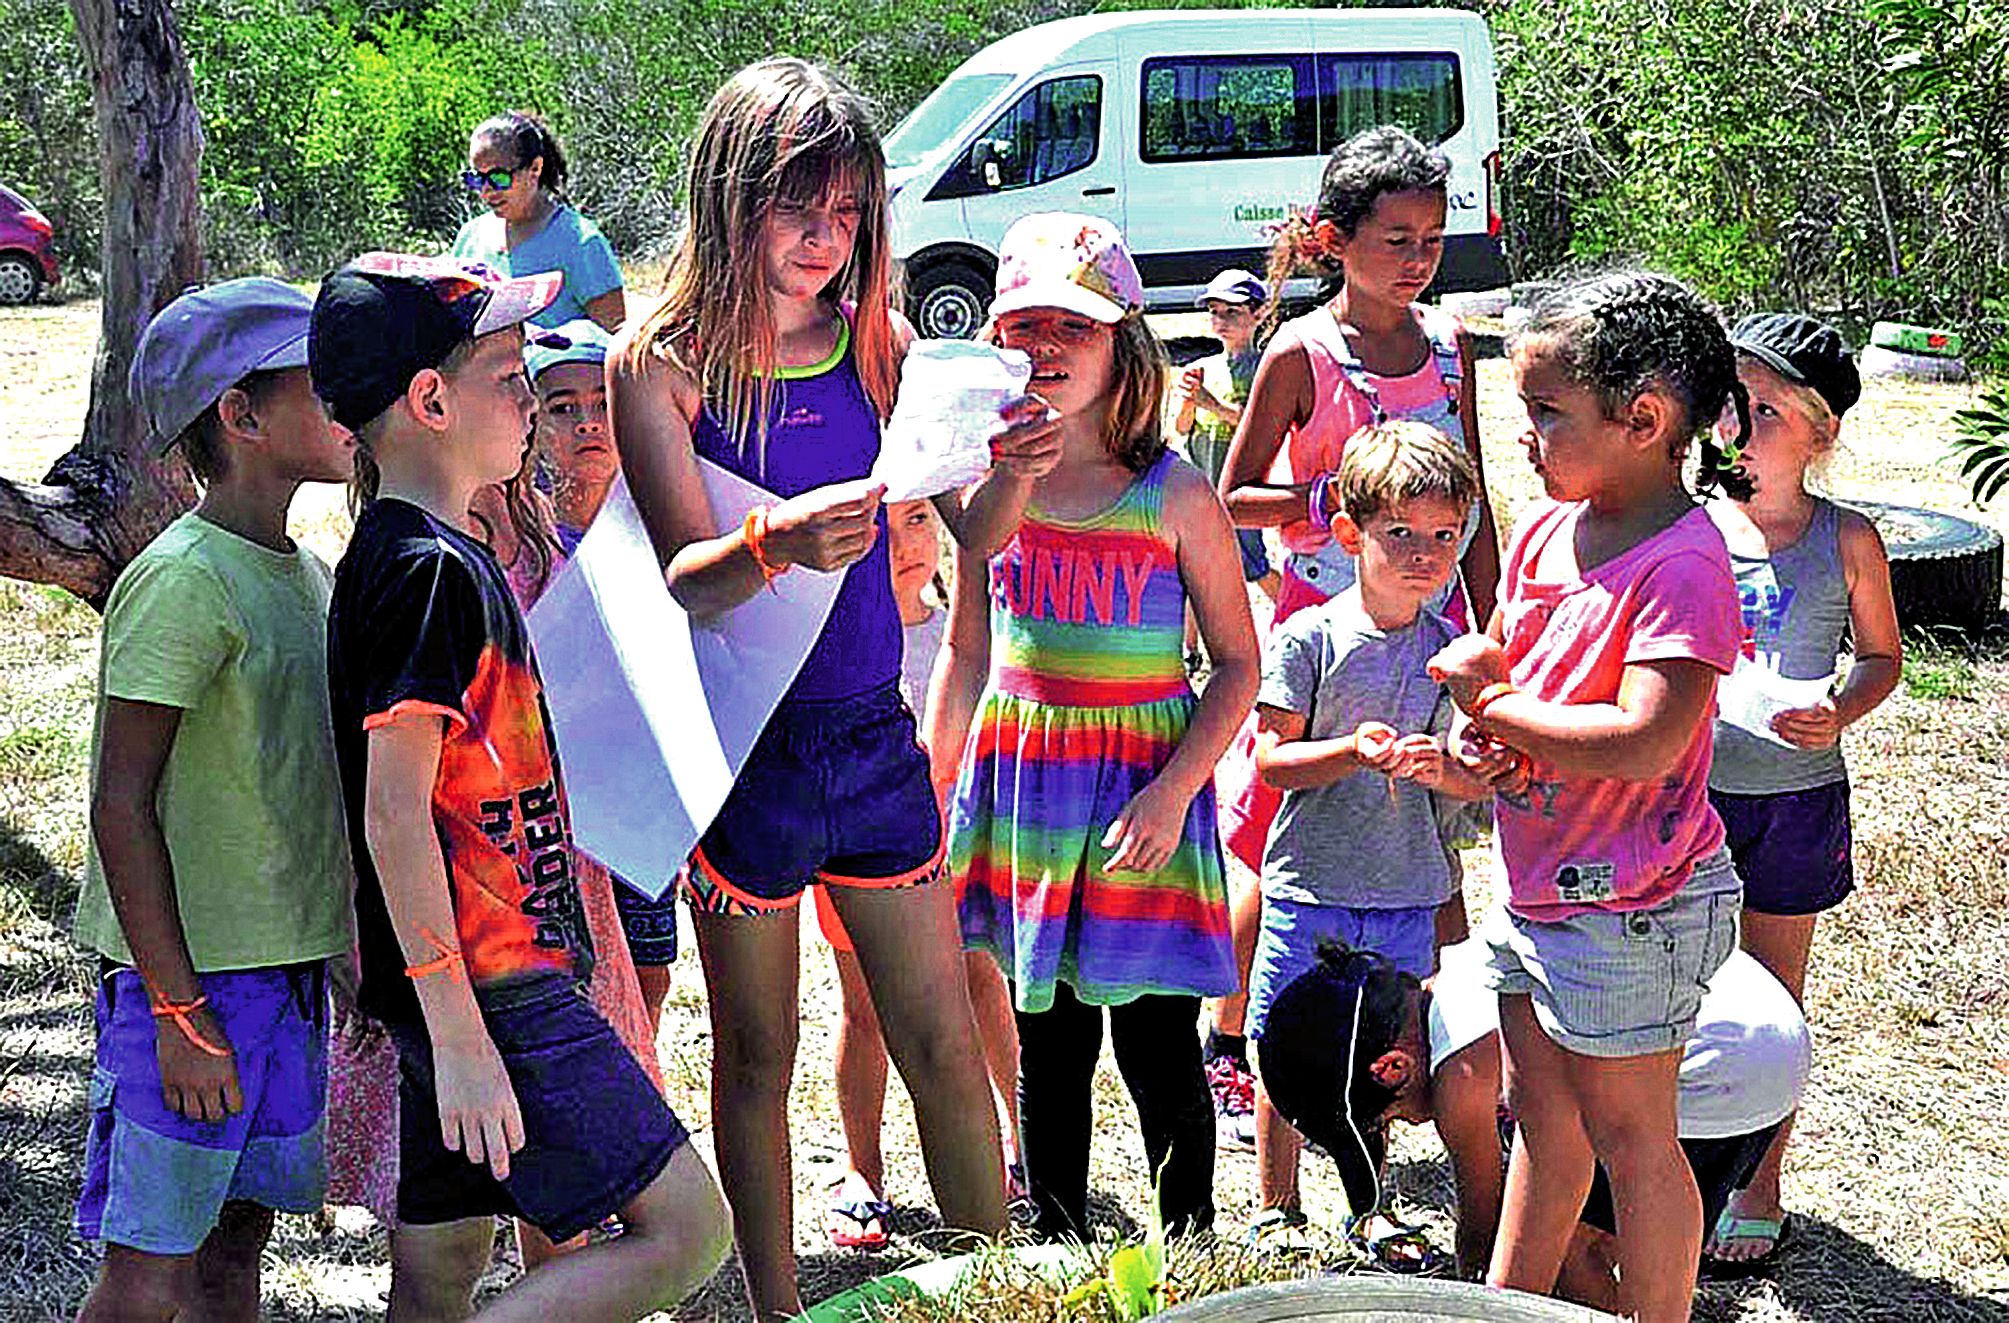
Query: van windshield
[{"x": 932, "y": 123}]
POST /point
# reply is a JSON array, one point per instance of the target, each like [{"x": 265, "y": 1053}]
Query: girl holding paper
[
  {"x": 1808, "y": 571},
  {"x": 773, "y": 353}
]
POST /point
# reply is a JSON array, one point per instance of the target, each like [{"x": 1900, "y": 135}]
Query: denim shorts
[
  {"x": 596, "y": 1131},
  {"x": 1287, "y": 946},
  {"x": 836, "y": 793},
  {"x": 1612, "y": 983},
  {"x": 1793, "y": 850},
  {"x": 155, "y": 1181}
]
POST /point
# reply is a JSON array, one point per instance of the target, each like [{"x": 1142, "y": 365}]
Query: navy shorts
[
  {"x": 596, "y": 1131},
  {"x": 649, "y": 925},
  {"x": 1793, "y": 849},
  {"x": 834, "y": 792},
  {"x": 1255, "y": 556},
  {"x": 1721, "y": 1166}
]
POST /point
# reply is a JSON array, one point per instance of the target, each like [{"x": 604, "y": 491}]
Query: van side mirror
[
  {"x": 992, "y": 177},
  {"x": 985, "y": 154}
]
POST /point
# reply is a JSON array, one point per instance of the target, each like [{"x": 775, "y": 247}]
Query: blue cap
[
  {"x": 578, "y": 341},
  {"x": 207, "y": 341}
]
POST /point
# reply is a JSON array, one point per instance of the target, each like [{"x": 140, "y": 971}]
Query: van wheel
[
  {"x": 1944, "y": 570},
  {"x": 948, "y": 299},
  {"x": 20, "y": 279}
]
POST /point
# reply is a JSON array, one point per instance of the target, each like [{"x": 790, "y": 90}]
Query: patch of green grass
[
  {"x": 1936, "y": 670},
  {"x": 33, "y": 752}
]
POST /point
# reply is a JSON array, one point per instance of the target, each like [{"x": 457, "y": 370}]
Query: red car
[{"x": 27, "y": 249}]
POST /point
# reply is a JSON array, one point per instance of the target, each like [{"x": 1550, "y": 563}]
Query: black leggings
[{"x": 1157, "y": 1042}]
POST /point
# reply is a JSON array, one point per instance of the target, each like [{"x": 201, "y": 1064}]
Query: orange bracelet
[
  {"x": 448, "y": 961},
  {"x": 754, "y": 530},
  {"x": 179, "y": 1011},
  {"x": 1490, "y": 695}
]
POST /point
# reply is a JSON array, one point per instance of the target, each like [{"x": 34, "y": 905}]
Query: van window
[
  {"x": 1049, "y": 132},
  {"x": 1419, "y": 92},
  {"x": 946, "y": 109},
  {"x": 1217, "y": 107}
]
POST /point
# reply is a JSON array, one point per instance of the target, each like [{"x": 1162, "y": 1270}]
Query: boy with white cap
[
  {"x": 1210, "y": 394},
  {"x": 218, "y": 882}
]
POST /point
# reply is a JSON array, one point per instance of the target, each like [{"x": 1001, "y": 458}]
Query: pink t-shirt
[{"x": 1580, "y": 844}]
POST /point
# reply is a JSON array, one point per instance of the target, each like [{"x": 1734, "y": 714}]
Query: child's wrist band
[
  {"x": 179, "y": 1011},
  {"x": 1490, "y": 695},
  {"x": 1320, "y": 517},
  {"x": 448, "y": 961},
  {"x": 754, "y": 530}
]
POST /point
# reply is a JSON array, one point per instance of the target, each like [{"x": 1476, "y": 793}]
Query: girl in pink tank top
[{"x": 1369, "y": 354}]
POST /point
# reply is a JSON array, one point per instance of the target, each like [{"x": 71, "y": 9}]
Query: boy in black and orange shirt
[{"x": 515, "y": 1096}]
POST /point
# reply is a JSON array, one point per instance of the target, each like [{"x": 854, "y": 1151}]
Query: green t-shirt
[
  {"x": 1227, "y": 379},
  {"x": 236, "y": 635}
]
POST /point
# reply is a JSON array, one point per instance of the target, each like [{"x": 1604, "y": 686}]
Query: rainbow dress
[{"x": 1087, "y": 699}]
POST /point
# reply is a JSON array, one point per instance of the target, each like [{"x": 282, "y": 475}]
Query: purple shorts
[
  {"x": 1793, "y": 849},
  {"x": 596, "y": 1131},
  {"x": 155, "y": 1181},
  {"x": 836, "y": 793}
]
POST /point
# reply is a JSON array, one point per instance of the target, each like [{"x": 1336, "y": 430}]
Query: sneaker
[
  {"x": 1279, "y": 1231},
  {"x": 1234, "y": 1090}
]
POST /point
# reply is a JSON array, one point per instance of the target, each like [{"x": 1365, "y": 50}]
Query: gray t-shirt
[
  {"x": 1364, "y": 841},
  {"x": 917, "y": 659}
]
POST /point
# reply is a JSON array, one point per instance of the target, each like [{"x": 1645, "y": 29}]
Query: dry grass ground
[{"x": 1900, "y": 1174}]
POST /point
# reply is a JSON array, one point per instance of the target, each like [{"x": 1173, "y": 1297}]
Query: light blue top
[
  {"x": 568, "y": 243},
  {"x": 1357, "y": 842}
]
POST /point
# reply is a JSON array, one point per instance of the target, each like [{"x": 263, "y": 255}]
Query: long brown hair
[{"x": 782, "y": 129}]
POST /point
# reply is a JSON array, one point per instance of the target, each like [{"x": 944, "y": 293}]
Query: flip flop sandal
[
  {"x": 1279, "y": 1231},
  {"x": 1400, "y": 1249},
  {"x": 1778, "y": 1232},
  {"x": 869, "y": 1219}
]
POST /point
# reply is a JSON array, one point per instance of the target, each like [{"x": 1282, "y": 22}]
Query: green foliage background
[{"x": 1846, "y": 156}]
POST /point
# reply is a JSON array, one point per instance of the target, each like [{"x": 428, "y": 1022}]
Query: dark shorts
[
  {"x": 836, "y": 793},
  {"x": 649, "y": 925},
  {"x": 1793, "y": 850},
  {"x": 1721, "y": 1166},
  {"x": 155, "y": 1181},
  {"x": 596, "y": 1131},
  {"x": 1255, "y": 556}
]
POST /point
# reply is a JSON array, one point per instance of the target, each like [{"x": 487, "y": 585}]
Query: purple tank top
[{"x": 823, "y": 429}]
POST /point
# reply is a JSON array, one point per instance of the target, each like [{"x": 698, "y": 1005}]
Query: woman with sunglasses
[{"x": 517, "y": 170}]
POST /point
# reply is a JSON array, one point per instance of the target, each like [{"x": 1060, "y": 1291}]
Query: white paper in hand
[
  {"x": 1753, "y": 693},
  {"x": 654, "y": 712},
  {"x": 939, "y": 437}
]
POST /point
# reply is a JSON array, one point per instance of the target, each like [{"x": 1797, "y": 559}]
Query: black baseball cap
[
  {"x": 1321, "y": 1035},
  {"x": 386, "y": 317},
  {"x": 1805, "y": 351}
]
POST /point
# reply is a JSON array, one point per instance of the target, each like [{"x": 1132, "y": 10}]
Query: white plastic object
[{"x": 952, "y": 393}]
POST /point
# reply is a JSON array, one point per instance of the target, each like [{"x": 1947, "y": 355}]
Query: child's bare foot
[{"x": 1746, "y": 1238}]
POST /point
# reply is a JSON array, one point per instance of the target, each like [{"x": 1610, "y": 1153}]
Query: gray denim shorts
[{"x": 1611, "y": 984}]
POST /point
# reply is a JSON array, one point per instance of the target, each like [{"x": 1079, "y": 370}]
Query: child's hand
[
  {"x": 1418, "y": 758},
  {"x": 1029, "y": 446},
  {"x": 1506, "y": 770},
  {"x": 1192, "y": 389},
  {"x": 826, "y": 528},
  {"x": 1816, "y": 727},
  {"x": 478, "y": 1115},
  {"x": 1374, "y": 745},
  {"x": 1468, "y": 664},
  {"x": 195, "y": 1084},
  {"x": 1146, "y": 832}
]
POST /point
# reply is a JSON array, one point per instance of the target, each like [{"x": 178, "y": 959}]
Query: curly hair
[
  {"x": 529, "y": 138},
  {"x": 1364, "y": 168},
  {"x": 1626, "y": 332}
]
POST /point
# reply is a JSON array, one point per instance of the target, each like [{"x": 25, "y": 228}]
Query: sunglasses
[{"x": 483, "y": 181}]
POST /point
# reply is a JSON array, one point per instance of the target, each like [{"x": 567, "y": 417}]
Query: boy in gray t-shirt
[{"x": 1352, "y": 729}]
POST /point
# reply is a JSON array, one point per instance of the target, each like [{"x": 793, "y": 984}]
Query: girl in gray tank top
[{"x": 1810, "y": 573}]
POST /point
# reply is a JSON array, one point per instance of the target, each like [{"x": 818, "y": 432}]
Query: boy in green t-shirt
[
  {"x": 1211, "y": 391},
  {"x": 218, "y": 883}
]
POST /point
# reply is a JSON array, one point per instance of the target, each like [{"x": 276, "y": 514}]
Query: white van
[{"x": 1192, "y": 131}]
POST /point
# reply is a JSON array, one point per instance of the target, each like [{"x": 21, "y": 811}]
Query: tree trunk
[{"x": 108, "y": 496}]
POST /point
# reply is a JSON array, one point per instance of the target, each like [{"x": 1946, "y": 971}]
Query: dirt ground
[{"x": 1900, "y": 1169}]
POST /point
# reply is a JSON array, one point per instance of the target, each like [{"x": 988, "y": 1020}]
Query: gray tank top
[{"x": 1796, "y": 607}]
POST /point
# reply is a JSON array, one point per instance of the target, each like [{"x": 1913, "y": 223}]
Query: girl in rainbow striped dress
[{"x": 1082, "y": 828}]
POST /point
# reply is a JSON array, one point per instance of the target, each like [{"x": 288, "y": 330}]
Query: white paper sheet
[
  {"x": 1752, "y": 694},
  {"x": 655, "y": 712},
  {"x": 951, "y": 392}
]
